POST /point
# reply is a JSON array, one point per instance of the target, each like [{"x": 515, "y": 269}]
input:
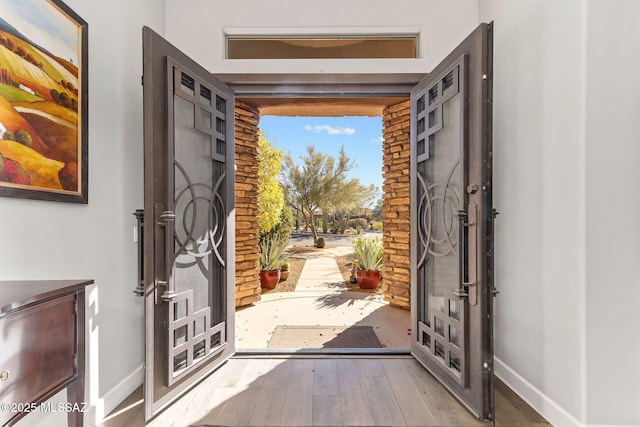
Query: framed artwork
[{"x": 43, "y": 101}]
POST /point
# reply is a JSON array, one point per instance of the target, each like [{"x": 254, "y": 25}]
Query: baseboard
[
  {"x": 545, "y": 406},
  {"x": 612, "y": 425},
  {"x": 116, "y": 395}
]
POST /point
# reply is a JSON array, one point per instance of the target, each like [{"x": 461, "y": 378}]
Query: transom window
[{"x": 321, "y": 47}]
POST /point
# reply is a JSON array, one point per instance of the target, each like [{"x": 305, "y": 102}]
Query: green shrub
[
  {"x": 272, "y": 254},
  {"x": 284, "y": 227},
  {"x": 368, "y": 253},
  {"x": 355, "y": 222}
]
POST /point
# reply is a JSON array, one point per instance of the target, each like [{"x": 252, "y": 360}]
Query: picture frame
[{"x": 43, "y": 101}]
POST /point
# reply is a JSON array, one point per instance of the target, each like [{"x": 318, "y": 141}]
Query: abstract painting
[{"x": 43, "y": 101}]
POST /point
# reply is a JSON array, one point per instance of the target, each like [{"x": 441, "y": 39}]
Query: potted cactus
[
  {"x": 368, "y": 261},
  {"x": 272, "y": 257},
  {"x": 284, "y": 271}
]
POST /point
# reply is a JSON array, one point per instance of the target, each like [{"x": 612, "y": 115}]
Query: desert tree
[
  {"x": 319, "y": 182},
  {"x": 355, "y": 202}
]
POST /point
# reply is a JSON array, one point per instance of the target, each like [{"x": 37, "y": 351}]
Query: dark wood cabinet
[{"x": 42, "y": 341}]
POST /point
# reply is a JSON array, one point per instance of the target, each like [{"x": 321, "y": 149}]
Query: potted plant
[
  {"x": 284, "y": 271},
  {"x": 368, "y": 261},
  {"x": 271, "y": 259}
]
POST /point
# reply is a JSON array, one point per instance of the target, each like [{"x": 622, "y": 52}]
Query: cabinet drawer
[{"x": 38, "y": 350}]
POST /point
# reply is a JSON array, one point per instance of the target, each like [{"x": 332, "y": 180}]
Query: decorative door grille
[
  {"x": 197, "y": 192},
  {"x": 440, "y": 195}
]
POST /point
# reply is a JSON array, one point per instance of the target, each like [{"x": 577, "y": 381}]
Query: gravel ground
[{"x": 294, "y": 273}]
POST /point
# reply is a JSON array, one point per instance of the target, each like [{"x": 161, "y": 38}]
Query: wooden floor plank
[
  {"x": 511, "y": 410},
  {"x": 323, "y": 392},
  {"x": 238, "y": 409},
  {"x": 384, "y": 408},
  {"x": 231, "y": 374},
  {"x": 208, "y": 397},
  {"x": 414, "y": 409},
  {"x": 327, "y": 410},
  {"x": 298, "y": 406},
  {"x": 269, "y": 407},
  {"x": 445, "y": 408},
  {"x": 355, "y": 406},
  {"x": 325, "y": 378},
  {"x": 128, "y": 413},
  {"x": 371, "y": 368}
]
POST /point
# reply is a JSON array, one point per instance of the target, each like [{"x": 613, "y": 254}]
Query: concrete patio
[{"x": 321, "y": 299}]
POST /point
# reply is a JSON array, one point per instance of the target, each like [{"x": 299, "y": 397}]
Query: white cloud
[
  {"x": 378, "y": 140},
  {"x": 330, "y": 130}
]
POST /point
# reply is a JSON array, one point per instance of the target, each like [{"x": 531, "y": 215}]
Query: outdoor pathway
[{"x": 321, "y": 299}]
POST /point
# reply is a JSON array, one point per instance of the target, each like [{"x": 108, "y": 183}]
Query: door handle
[
  {"x": 164, "y": 262},
  {"x": 470, "y": 245},
  {"x": 139, "y": 214}
]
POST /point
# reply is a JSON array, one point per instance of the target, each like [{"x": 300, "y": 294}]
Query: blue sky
[
  {"x": 44, "y": 24},
  {"x": 360, "y": 136}
]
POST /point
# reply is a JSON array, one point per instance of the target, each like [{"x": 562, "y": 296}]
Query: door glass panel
[
  {"x": 180, "y": 336},
  {"x": 193, "y": 184},
  {"x": 198, "y": 273},
  {"x": 439, "y": 192},
  {"x": 444, "y": 180}
]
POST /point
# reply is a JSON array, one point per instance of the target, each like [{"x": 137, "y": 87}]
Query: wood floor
[{"x": 322, "y": 392}]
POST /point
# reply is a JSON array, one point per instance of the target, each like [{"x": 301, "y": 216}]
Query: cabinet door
[{"x": 38, "y": 351}]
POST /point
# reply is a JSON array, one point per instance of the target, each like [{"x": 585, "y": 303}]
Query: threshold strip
[{"x": 323, "y": 353}]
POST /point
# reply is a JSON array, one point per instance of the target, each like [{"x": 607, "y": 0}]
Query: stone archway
[
  {"x": 396, "y": 285},
  {"x": 396, "y": 188},
  {"x": 246, "y": 209}
]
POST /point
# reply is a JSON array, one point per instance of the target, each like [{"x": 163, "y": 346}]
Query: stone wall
[
  {"x": 396, "y": 285},
  {"x": 246, "y": 192}
]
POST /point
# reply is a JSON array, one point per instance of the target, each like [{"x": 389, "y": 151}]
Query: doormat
[{"x": 285, "y": 336}]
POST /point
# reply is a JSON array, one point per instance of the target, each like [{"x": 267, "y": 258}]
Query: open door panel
[
  {"x": 452, "y": 222},
  {"x": 189, "y": 223}
]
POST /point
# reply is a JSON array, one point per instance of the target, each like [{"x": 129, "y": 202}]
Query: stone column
[
  {"x": 396, "y": 285},
  {"x": 246, "y": 192}
]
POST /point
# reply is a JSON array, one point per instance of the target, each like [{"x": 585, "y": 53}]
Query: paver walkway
[
  {"x": 320, "y": 274},
  {"x": 321, "y": 299}
]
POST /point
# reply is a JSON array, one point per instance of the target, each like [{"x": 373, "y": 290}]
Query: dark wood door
[
  {"x": 452, "y": 222},
  {"x": 189, "y": 224}
]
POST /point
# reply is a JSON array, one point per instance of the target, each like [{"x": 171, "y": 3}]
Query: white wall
[
  {"x": 198, "y": 28},
  {"x": 538, "y": 184},
  {"x": 565, "y": 128},
  {"x": 565, "y": 122},
  {"x": 612, "y": 233},
  {"x": 46, "y": 240}
]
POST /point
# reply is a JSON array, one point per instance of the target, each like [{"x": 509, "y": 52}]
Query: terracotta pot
[
  {"x": 284, "y": 275},
  {"x": 269, "y": 279},
  {"x": 368, "y": 279}
]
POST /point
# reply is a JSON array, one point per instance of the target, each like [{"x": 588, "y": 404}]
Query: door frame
[
  {"x": 400, "y": 85},
  {"x": 321, "y": 85}
]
